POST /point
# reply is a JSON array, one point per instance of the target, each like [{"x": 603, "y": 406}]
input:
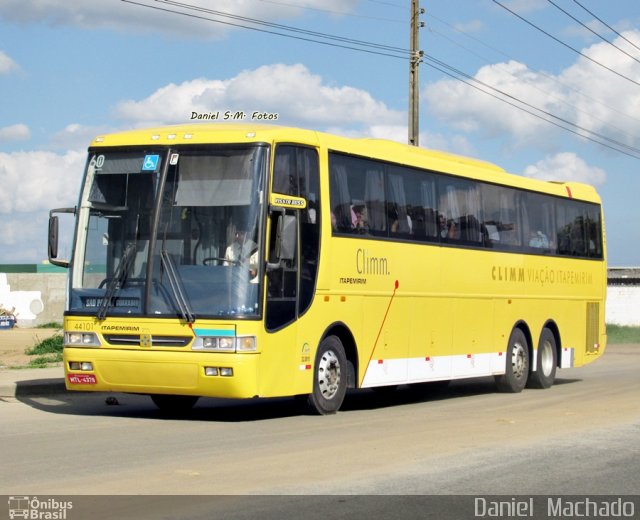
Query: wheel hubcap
[
  {"x": 329, "y": 375},
  {"x": 518, "y": 360},
  {"x": 546, "y": 358}
]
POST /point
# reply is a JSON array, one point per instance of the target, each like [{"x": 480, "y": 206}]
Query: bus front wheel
[
  {"x": 547, "y": 362},
  {"x": 329, "y": 378},
  {"x": 517, "y": 364}
]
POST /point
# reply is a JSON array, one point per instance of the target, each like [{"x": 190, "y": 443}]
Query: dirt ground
[{"x": 14, "y": 342}]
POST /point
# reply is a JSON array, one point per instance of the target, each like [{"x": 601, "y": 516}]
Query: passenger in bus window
[
  {"x": 449, "y": 228},
  {"x": 342, "y": 213},
  {"x": 359, "y": 221},
  {"x": 539, "y": 240},
  {"x": 442, "y": 225},
  {"x": 243, "y": 250},
  {"x": 240, "y": 249},
  {"x": 453, "y": 232}
]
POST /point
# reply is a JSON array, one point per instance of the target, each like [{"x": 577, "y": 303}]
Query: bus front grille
[{"x": 147, "y": 341}]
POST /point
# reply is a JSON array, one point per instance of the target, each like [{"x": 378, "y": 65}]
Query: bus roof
[{"x": 381, "y": 149}]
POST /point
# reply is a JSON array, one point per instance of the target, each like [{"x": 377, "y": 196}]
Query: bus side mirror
[
  {"x": 285, "y": 240},
  {"x": 53, "y": 237},
  {"x": 54, "y": 232}
]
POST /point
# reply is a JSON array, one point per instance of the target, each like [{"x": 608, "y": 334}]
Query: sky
[{"x": 74, "y": 69}]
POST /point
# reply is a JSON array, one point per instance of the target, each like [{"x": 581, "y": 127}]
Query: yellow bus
[{"x": 243, "y": 261}]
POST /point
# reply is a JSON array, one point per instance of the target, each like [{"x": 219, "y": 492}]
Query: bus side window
[
  {"x": 400, "y": 223},
  {"x": 374, "y": 200},
  {"x": 538, "y": 222},
  {"x": 460, "y": 205},
  {"x": 593, "y": 231},
  {"x": 426, "y": 207},
  {"x": 500, "y": 219},
  {"x": 572, "y": 231},
  {"x": 340, "y": 197}
]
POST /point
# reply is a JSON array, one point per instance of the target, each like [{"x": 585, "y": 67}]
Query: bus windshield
[{"x": 170, "y": 232}]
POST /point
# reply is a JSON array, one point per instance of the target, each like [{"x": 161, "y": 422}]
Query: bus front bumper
[{"x": 206, "y": 374}]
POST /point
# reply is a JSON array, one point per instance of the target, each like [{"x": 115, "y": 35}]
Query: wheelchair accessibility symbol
[{"x": 150, "y": 163}]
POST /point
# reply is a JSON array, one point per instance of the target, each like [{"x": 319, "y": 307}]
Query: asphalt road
[{"x": 582, "y": 436}]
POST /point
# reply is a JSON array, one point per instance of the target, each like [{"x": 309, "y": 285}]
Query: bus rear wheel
[
  {"x": 174, "y": 404},
  {"x": 329, "y": 378},
  {"x": 517, "y": 364},
  {"x": 546, "y": 362}
]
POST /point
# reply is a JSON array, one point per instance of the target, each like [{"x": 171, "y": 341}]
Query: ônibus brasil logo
[{"x": 33, "y": 508}]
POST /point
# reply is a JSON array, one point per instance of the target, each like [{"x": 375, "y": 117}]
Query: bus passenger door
[{"x": 293, "y": 265}]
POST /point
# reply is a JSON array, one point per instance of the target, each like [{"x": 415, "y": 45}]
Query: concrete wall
[
  {"x": 623, "y": 305},
  {"x": 623, "y": 296},
  {"x": 37, "y": 297}
]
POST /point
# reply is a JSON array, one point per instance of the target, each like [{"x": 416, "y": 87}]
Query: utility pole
[{"x": 414, "y": 84}]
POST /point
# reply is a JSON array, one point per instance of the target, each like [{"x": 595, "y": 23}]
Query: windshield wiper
[
  {"x": 119, "y": 276},
  {"x": 174, "y": 282}
]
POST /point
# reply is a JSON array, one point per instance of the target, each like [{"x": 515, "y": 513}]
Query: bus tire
[
  {"x": 517, "y": 364},
  {"x": 329, "y": 378},
  {"x": 174, "y": 404},
  {"x": 546, "y": 362}
]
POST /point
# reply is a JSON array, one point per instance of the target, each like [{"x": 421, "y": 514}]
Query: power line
[
  {"x": 541, "y": 72},
  {"x": 282, "y": 27},
  {"x": 533, "y": 85},
  {"x": 634, "y": 152},
  {"x": 565, "y": 44},
  {"x": 592, "y": 31},
  {"x": 470, "y": 84},
  {"x": 397, "y": 52},
  {"x": 392, "y": 4},
  {"x": 607, "y": 25},
  {"x": 331, "y": 11}
]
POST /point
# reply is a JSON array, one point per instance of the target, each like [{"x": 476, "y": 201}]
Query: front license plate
[{"x": 82, "y": 379}]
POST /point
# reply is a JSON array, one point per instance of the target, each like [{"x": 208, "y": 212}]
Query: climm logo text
[
  {"x": 507, "y": 274},
  {"x": 367, "y": 264}
]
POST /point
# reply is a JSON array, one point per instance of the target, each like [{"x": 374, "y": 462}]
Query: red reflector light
[{"x": 82, "y": 379}]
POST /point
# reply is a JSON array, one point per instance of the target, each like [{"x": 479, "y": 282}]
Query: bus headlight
[
  {"x": 85, "y": 339},
  {"x": 85, "y": 366},
  {"x": 218, "y": 371},
  {"x": 226, "y": 343},
  {"x": 246, "y": 344}
]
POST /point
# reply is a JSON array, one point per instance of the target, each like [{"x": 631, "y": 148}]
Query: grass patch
[
  {"x": 48, "y": 351},
  {"x": 52, "y": 345},
  {"x": 50, "y": 325},
  {"x": 44, "y": 361},
  {"x": 623, "y": 334}
]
